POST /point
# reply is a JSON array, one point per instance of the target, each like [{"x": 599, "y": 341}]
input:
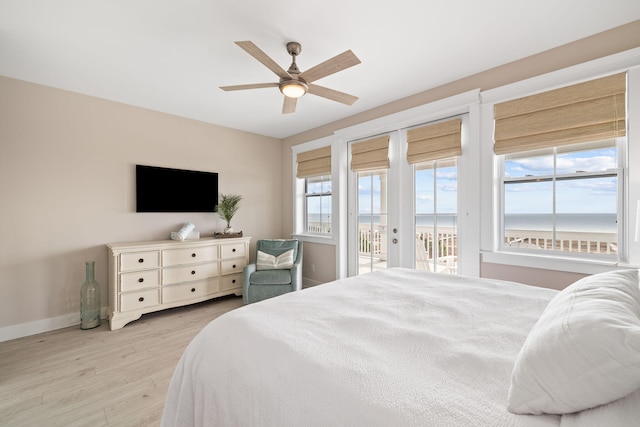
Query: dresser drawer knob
[
  {"x": 193, "y": 255},
  {"x": 141, "y": 299},
  {"x": 193, "y": 289},
  {"x": 233, "y": 281},
  {"x": 193, "y": 272},
  {"x": 233, "y": 250},
  {"x": 140, "y": 280},
  {"x": 141, "y": 260},
  {"x": 234, "y": 266}
]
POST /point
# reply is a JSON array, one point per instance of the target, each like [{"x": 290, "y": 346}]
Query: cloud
[
  {"x": 587, "y": 164},
  {"x": 588, "y": 161}
]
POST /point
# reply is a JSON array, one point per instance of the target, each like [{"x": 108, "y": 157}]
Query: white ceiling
[{"x": 172, "y": 55}]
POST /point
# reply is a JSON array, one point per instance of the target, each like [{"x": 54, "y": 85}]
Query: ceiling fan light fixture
[{"x": 293, "y": 88}]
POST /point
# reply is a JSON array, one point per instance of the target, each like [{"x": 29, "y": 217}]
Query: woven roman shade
[
  {"x": 579, "y": 113},
  {"x": 370, "y": 154},
  {"x": 433, "y": 142},
  {"x": 314, "y": 163}
]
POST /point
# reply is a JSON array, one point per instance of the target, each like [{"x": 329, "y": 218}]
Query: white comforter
[{"x": 391, "y": 348}]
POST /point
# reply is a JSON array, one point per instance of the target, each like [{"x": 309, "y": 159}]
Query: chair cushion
[
  {"x": 271, "y": 277},
  {"x": 265, "y": 261},
  {"x": 278, "y": 247}
]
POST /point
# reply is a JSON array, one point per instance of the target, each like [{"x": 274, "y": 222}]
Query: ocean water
[{"x": 592, "y": 222}]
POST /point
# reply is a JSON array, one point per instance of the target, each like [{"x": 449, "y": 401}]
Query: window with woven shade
[
  {"x": 314, "y": 167},
  {"x": 561, "y": 164}
]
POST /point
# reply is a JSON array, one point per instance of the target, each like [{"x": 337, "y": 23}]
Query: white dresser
[{"x": 152, "y": 276}]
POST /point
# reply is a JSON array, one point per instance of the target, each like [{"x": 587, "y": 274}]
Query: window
[
  {"x": 562, "y": 199},
  {"x": 317, "y": 205},
  {"x": 562, "y": 152},
  {"x": 314, "y": 171},
  {"x": 436, "y": 218}
]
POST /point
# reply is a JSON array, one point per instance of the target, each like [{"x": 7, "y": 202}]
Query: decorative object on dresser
[
  {"x": 227, "y": 208},
  {"x": 90, "y": 299},
  {"x": 156, "y": 275},
  {"x": 223, "y": 235},
  {"x": 183, "y": 233}
]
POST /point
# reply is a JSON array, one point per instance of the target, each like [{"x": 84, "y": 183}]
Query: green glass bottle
[{"x": 90, "y": 299}]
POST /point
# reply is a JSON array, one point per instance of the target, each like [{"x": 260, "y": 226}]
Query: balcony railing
[
  {"x": 439, "y": 252},
  {"x": 585, "y": 242}
]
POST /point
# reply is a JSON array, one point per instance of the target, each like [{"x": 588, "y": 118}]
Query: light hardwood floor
[{"x": 98, "y": 377}]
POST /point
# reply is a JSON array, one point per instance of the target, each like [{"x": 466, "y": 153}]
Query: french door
[
  {"x": 375, "y": 237},
  {"x": 404, "y": 215}
]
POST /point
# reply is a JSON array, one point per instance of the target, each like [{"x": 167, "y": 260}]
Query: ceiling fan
[{"x": 293, "y": 83}]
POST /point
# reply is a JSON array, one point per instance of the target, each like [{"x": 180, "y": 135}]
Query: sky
[{"x": 586, "y": 195}]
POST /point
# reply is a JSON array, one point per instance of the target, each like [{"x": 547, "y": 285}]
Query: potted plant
[{"x": 227, "y": 208}]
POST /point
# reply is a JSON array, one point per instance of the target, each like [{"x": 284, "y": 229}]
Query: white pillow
[
  {"x": 584, "y": 350},
  {"x": 266, "y": 261}
]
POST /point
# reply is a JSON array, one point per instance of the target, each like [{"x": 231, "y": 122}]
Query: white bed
[{"x": 392, "y": 348}]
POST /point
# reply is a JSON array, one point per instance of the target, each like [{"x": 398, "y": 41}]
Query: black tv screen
[{"x": 175, "y": 190}]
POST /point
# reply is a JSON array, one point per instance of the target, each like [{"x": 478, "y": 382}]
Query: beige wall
[
  {"x": 530, "y": 276},
  {"x": 67, "y": 179},
  {"x": 318, "y": 264},
  {"x": 597, "y": 46}
]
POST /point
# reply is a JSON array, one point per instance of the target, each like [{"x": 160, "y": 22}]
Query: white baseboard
[
  {"x": 307, "y": 283},
  {"x": 40, "y": 326}
]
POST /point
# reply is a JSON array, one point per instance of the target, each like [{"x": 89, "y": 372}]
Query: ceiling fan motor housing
[{"x": 294, "y": 48}]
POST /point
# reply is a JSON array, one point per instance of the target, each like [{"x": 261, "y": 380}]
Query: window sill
[
  {"x": 548, "y": 262},
  {"x": 316, "y": 238}
]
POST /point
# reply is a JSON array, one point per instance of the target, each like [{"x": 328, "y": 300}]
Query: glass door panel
[
  {"x": 436, "y": 218},
  {"x": 372, "y": 220}
]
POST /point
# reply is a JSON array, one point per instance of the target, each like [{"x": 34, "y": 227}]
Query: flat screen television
[{"x": 175, "y": 190}]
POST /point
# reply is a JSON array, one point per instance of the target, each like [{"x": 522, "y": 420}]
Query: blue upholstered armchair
[{"x": 277, "y": 270}]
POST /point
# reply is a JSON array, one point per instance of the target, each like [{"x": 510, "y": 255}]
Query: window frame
[
  {"x": 321, "y": 194},
  {"x": 554, "y": 177}
]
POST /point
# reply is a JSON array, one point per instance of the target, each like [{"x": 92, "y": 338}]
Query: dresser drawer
[
  {"x": 229, "y": 266},
  {"x": 139, "y": 260},
  {"x": 232, "y": 281},
  {"x": 136, "y": 300},
  {"x": 189, "y": 256},
  {"x": 189, "y": 273},
  {"x": 187, "y": 291},
  {"x": 232, "y": 250},
  {"x": 139, "y": 280}
]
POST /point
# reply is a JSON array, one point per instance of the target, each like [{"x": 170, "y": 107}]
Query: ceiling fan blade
[
  {"x": 257, "y": 53},
  {"x": 332, "y": 94},
  {"x": 250, "y": 86},
  {"x": 330, "y": 66},
  {"x": 289, "y": 105}
]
